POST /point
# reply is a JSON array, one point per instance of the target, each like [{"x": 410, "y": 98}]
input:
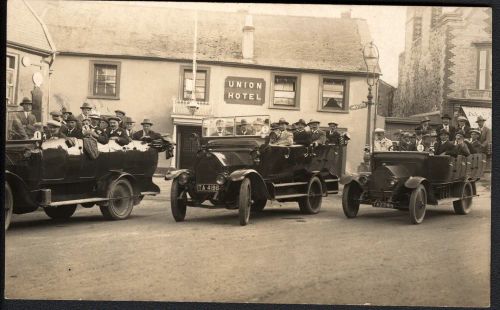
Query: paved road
[{"x": 280, "y": 257}]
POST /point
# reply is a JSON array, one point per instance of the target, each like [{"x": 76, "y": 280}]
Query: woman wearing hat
[{"x": 146, "y": 134}]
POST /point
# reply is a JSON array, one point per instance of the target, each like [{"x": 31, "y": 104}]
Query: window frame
[
  {"x": 13, "y": 100},
  {"x": 182, "y": 69},
  {"x": 346, "y": 104},
  {"x": 93, "y": 63},
  {"x": 489, "y": 68},
  {"x": 297, "y": 76}
]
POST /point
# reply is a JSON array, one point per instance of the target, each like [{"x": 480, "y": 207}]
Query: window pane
[
  {"x": 105, "y": 77},
  {"x": 482, "y": 79},
  {"x": 284, "y": 101},
  {"x": 333, "y": 93},
  {"x": 284, "y": 94},
  {"x": 11, "y": 62},
  {"x": 482, "y": 59},
  {"x": 284, "y": 90}
]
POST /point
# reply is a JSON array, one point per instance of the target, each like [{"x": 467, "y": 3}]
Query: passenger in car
[
  {"x": 221, "y": 130},
  {"x": 71, "y": 129},
  {"x": 258, "y": 125},
  {"x": 318, "y": 136},
  {"x": 121, "y": 115},
  {"x": 16, "y": 130},
  {"x": 381, "y": 143},
  {"x": 426, "y": 144},
  {"x": 444, "y": 146},
  {"x": 27, "y": 118},
  {"x": 332, "y": 135},
  {"x": 103, "y": 123},
  {"x": 244, "y": 129},
  {"x": 94, "y": 121},
  {"x": 65, "y": 114},
  {"x": 461, "y": 147},
  {"x": 301, "y": 136},
  {"x": 462, "y": 126},
  {"x": 54, "y": 131},
  {"x": 129, "y": 126},
  {"x": 405, "y": 144},
  {"x": 476, "y": 146},
  {"x": 146, "y": 134},
  {"x": 114, "y": 132},
  {"x": 283, "y": 137},
  {"x": 86, "y": 108}
]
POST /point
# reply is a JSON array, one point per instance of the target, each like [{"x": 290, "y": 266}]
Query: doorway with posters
[{"x": 186, "y": 146}]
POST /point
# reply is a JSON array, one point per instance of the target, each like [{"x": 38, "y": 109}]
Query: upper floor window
[
  {"x": 200, "y": 86},
  {"x": 11, "y": 75},
  {"x": 285, "y": 91},
  {"x": 333, "y": 94},
  {"x": 484, "y": 68},
  {"x": 105, "y": 79}
]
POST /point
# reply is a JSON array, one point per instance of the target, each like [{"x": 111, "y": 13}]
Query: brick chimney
[{"x": 247, "y": 44}]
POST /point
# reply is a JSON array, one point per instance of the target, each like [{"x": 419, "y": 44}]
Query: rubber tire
[
  {"x": 60, "y": 213},
  {"x": 416, "y": 215},
  {"x": 463, "y": 206},
  {"x": 177, "y": 207},
  {"x": 245, "y": 201},
  {"x": 305, "y": 203},
  {"x": 110, "y": 211},
  {"x": 9, "y": 205},
  {"x": 351, "y": 191},
  {"x": 88, "y": 204},
  {"x": 258, "y": 205}
]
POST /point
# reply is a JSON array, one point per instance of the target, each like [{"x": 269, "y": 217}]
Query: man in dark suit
[
  {"x": 146, "y": 134},
  {"x": 485, "y": 138},
  {"x": 86, "y": 108},
  {"x": 476, "y": 146},
  {"x": 115, "y": 132},
  {"x": 301, "y": 136},
  {"x": 220, "y": 129},
  {"x": 444, "y": 146},
  {"x": 72, "y": 130},
  {"x": 424, "y": 126},
  {"x": 462, "y": 126},
  {"x": 318, "y": 136},
  {"x": 27, "y": 118},
  {"x": 461, "y": 147},
  {"x": 446, "y": 119},
  {"x": 332, "y": 135},
  {"x": 244, "y": 129}
]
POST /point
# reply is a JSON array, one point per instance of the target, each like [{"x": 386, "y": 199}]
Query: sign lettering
[{"x": 242, "y": 90}]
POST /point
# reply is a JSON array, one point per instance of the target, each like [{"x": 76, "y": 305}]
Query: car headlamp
[
  {"x": 183, "y": 178},
  {"x": 393, "y": 182},
  {"x": 363, "y": 179},
  {"x": 220, "y": 179}
]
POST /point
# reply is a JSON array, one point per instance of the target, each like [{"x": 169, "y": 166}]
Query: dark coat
[
  {"x": 103, "y": 137},
  {"x": 461, "y": 149},
  {"x": 17, "y": 131},
  {"x": 466, "y": 130},
  {"x": 28, "y": 122},
  {"x": 333, "y": 137},
  {"x": 420, "y": 128},
  {"x": 452, "y": 131},
  {"x": 447, "y": 148},
  {"x": 485, "y": 138},
  {"x": 248, "y": 132},
  {"x": 75, "y": 133},
  {"x": 139, "y": 135},
  {"x": 302, "y": 137},
  {"x": 120, "y": 133},
  {"x": 319, "y": 136},
  {"x": 476, "y": 147}
]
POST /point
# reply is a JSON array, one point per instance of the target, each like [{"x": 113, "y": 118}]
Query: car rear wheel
[
  {"x": 350, "y": 199},
  {"x": 9, "y": 205},
  {"x": 61, "y": 212},
  {"x": 418, "y": 201},
  {"x": 464, "y": 205},
  {"x": 311, "y": 204},
  {"x": 177, "y": 204},
  {"x": 245, "y": 201},
  {"x": 258, "y": 205},
  {"x": 120, "y": 204}
]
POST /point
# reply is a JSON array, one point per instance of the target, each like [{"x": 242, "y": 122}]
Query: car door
[{"x": 54, "y": 160}]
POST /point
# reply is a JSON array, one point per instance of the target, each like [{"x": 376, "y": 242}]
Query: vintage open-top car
[
  {"x": 57, "y": 176},
  {"x": 413, "y": 180},
  {"x": 236, "y": 168}
]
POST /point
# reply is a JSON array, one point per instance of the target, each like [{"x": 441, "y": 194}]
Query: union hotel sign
[{"x": 243, "y": 90}]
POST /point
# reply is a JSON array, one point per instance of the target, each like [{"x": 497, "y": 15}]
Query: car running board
[{"x": 97, "y": 199}]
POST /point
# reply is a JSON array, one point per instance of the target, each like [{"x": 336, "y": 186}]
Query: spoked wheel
[
  {"x": 311, "y": 204},
  {"x": 418, "y": 201},
  {"x": 60, "y": 213},
  {"x": 245, "y": 201},
  {"x": 464, "y": 205},
  {"x": 177, "y": 204},
  {"x": 258, "y": 205},
  {"x": 350, "y": 199},
  {"x": 121, "y": 200},
  {"x": 9, "y": 205}
]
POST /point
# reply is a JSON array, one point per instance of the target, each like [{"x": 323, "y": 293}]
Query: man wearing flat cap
[
  {"x": 446, "y": 119},
  {"x": 424, "y": 125},
  {"x": 381, "y": 143},
  {"x": 27, "y": 118},
  {"x": 461, "y": 147},
  {"x": 332, "y": 135},
  {"x": 283, "y": 137},
  {"x": 115, "y": 132},
  {"x": 318, "y": 136},
  {"x": 476, "y": 146},
  {"x": 54, "y": 130},
  {"x": 146, "y": 134},
  {"x": 485, "y": 138},
  {"x": 57, "y": 116},
  {"x": 301, "y": 136},
  {"x": 86, "y": 108}
]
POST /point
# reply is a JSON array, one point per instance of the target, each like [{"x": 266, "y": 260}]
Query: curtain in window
[
  {"x": 333, "y": 94},
  {"x": 200, "y": 84},
  {"x": 284, "y": 90}
]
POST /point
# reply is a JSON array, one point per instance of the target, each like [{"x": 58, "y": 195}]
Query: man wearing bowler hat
[
  {"x": 72, "y": 130},
  {"x": 244, "y": 129},
  {"x": 332, "y": 135},
  {"x": 446, "y": 119},
  {"x": 129, "y": 126},
  {"x": 146, "y": 134},
  {"x": 65, "y": 113},
  {"x": 318, "y": 136},
  {"x": 283, "y": 137},
  {"x": 301, "y": 136},
  {"x": 86, "y": 108},
  {"x": 424, "y": 125},
  {"x": 485, "y": 137},
  {"x": 27, "y": 118},
  {"x": 115, "y": 132}
]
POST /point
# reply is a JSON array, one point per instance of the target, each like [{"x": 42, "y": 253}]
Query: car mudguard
[
  {"x": 259, "y": 188},
  {"x": 171, "y": 175},
  {"x": 346, "y": 179},
  {"x": 413, "y": 182},
  {"x": 23, "y": 198},
  {"x": 113, "y": 175}
]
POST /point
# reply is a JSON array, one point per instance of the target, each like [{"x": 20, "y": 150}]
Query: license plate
[{"x": 207, "y": 187}]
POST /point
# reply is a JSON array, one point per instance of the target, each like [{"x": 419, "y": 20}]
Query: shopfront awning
[{"x": 473, "y": 112}]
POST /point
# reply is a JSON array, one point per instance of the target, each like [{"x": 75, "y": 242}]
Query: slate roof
[
  {"x": 111, "y": 28},
  {"x": 23, "y": 27}
]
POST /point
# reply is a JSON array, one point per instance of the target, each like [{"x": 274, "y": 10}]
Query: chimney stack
[{"x": 247, "y": 44}]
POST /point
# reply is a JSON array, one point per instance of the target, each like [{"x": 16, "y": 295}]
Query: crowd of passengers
[
  {"x": 88, "y": 124},
  {"x": 446, "y": 139}
]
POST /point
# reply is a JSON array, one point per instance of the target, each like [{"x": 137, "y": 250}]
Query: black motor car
[
  {"x": 236, "y": 168},
  {"x": 412, "y": 180},
  {"x": 58, "y": 176}
]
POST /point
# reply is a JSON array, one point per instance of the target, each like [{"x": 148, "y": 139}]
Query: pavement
[{"x": 282, "y": 256}]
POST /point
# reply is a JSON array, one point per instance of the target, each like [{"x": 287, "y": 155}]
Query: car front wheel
[
  {"x": 311, "y": 204},
  {"x": 350, "y": 199},
  {"x": 9, "y": 205},
  {"x": 177, "y": 204},
  {"x": 418, "y": 202},
  {"x": 61, "y": 212},
  {"x": 245, "y": 201},
  {"x": 120, "y": 204}
]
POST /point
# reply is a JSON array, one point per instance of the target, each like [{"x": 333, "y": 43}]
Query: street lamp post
[
  {"x": 371, "y": 57},
  {"x": 193, "y": 105}
]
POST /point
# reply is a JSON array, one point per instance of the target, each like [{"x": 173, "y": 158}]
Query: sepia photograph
[{"x": 262, "y": 153}]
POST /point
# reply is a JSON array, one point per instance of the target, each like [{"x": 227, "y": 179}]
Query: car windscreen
[
  {"x": 16, "y": 129},
  {"x": 254, "y": 125}
]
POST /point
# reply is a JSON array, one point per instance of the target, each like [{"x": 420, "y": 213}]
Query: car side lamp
[{"x": 183, "y": 178}]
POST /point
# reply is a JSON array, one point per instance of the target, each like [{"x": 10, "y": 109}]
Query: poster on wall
[{"x": 243, "y": 90}]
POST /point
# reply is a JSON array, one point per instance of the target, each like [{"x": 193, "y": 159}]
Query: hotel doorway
[{"x": 186, "y": 146}]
